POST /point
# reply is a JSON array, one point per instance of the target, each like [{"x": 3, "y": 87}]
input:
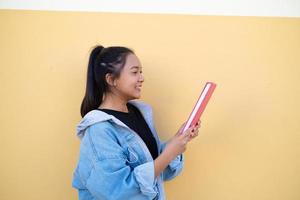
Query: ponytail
[{"x": 93, "y": 94}]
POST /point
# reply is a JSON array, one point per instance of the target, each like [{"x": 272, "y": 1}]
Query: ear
[{"x": 110, "y": 80}]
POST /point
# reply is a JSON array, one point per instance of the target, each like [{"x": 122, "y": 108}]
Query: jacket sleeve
[
  {"x": 175, "y": 166},
  {"x": 111, "y": 176}
]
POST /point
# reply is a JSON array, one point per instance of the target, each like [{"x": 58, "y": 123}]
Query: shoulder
[
  {"x": 102, "y": 126},
  {"x": 102, "y": 131},
  {"x": 103, "y": 141}
]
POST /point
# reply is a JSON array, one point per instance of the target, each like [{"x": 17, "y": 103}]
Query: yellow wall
[{"x": 249, "y": 143}]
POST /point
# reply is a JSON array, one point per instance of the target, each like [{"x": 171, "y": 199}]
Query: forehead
[{"x": 132, "y": 62}]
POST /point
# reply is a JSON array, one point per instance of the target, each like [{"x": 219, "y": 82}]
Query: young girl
[{"x": 121, "y": 156}]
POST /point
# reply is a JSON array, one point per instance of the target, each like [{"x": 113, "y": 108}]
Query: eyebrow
[{"x": 135, "y": 67}]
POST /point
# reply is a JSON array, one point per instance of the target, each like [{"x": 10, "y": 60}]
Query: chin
[
  {"x": 134, "y": 97},
  {"x": 137, "y": 96}
]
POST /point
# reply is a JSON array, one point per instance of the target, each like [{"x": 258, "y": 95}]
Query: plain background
[{"x": 249, "y": 142}]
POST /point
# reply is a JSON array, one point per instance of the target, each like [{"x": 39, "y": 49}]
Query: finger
[
  {"x": 186, "y": 133},
  {"x": 194, "y": 134},
  {"x": 181, "y": 129},
  {"x": 197, "y": 127},
  {"x": 191, "y": 134},
  {"x": 198, "y": 123},
  {"x": 191, "y": 138},
  {"x": 196, "y": 131}
]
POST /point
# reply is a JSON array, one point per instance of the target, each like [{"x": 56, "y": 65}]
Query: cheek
[{"x": 128, "y": 85}]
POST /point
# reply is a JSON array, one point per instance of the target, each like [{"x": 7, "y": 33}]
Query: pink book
[{"x": 200, "y": 105}]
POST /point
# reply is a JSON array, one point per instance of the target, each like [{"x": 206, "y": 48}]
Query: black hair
[{"x": 101, "y": 62}]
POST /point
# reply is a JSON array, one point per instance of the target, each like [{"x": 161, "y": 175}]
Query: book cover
[{"x": 200, "y": 105}]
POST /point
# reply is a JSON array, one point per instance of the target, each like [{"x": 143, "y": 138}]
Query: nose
[{"x": 142, "y": 79}]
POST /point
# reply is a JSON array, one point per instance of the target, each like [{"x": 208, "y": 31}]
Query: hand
[
  {"x": 177, "y": 144},
  {"x": 195, "y": 130}
]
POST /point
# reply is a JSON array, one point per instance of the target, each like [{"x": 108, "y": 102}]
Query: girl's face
[{"x": 129, "y": 83}]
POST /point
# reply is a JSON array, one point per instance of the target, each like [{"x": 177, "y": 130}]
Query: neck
[{"x": 114, "y": 102}]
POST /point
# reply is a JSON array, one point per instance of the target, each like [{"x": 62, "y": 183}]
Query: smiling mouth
[{"x": 139, "y": 87}]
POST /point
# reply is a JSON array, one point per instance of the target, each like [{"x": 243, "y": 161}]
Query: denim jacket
[{"x": 115, "y": 164}]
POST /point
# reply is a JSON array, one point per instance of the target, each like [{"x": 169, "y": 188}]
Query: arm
[
  {"x": 162, "y": 162},
  {"x": 174, "y": 167}
]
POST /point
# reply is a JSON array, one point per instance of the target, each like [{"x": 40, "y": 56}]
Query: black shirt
[{"x": 135, "y": 120}]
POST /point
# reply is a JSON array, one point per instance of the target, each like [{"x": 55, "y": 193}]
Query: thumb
[
  {"x": 181, "y": 129},
  {"x": 186, "y": 133}
]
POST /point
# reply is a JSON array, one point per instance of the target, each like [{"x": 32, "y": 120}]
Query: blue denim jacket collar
[{"x": 96, "y": 116}]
